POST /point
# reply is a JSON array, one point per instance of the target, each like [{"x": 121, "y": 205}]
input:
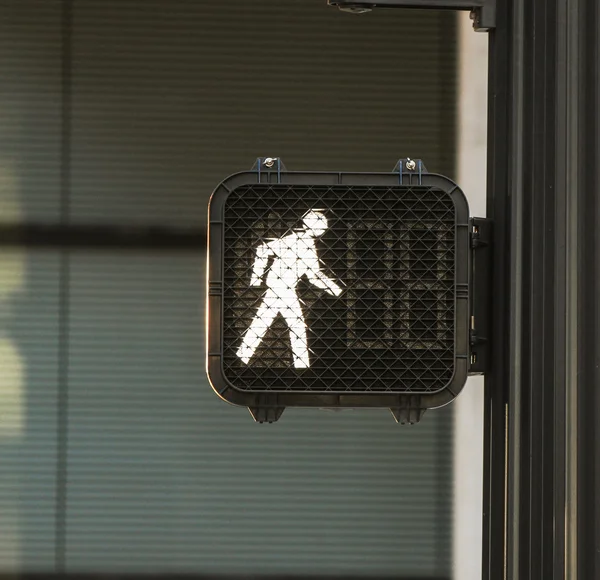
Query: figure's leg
[
  {"x": 295, "y": 320},
  {"x": 257, "y": 330}
]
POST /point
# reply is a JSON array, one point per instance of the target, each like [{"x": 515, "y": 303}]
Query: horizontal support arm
[
  {"x": 452, "y": 4},
  {"x": 484, "y": 11}
]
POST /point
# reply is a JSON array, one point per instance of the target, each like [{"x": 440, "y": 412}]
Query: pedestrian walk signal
[
  {"x": 338, "y": 290},
  {"x": 289, "y": 259}
]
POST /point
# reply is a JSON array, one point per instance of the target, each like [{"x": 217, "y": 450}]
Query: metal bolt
[
  {"x": 410, "y": 165},
  {"x": 269, "y": 161}
]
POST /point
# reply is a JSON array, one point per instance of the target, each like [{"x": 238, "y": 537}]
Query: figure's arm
[
  {"x": 320, "y": 280},
  {"x": 317, "y": 278},
  {"x": 260, "y": 263}
]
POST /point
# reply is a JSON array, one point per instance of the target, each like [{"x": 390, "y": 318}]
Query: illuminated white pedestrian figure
[{"x": 294, "y": 256}]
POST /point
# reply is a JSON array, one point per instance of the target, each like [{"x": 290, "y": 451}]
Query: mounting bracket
[
  {"x": 483, "y": 12},
  {"x": 481, "y": 292}
]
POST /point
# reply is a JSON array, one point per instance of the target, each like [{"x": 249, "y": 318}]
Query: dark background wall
[{"x": 114, "y": 452}]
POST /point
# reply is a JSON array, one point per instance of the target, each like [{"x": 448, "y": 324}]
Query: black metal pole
[
  {"x": 496, "y": 380},
  {"x": 586, "y": 410},
  {"x": 544, "y": 199}
]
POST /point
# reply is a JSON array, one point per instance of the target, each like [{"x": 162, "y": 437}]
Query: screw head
[
  {"x": 410, "y": 165},
  {"x": 269, "y": 161}
]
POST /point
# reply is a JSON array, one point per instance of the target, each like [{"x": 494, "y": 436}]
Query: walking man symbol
[{"x": 294, "y": 256}]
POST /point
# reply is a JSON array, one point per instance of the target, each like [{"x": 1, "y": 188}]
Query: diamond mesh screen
[{"x": 374, "y": 313}]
